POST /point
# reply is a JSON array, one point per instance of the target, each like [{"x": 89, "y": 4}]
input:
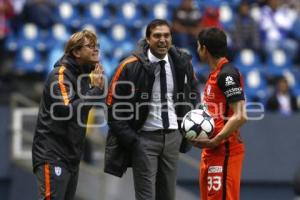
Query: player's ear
[
  {"x": 147, "y": 40},
  {"x": 76, "y": 53},
  {"x": 204, "y": 49}
]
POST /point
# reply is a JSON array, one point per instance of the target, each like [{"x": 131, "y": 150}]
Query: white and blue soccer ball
[{"x": 198, "y": 123}]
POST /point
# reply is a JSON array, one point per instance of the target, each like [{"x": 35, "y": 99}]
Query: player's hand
[
  {"x": 97, "y": 79},
  {"x": 206, "y": 143}
]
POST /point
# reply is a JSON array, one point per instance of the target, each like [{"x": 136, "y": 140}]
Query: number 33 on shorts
[
  {"x": 214, "y": 183},
  {"x": 214, "y": 178}
]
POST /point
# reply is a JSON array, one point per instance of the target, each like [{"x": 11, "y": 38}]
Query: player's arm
[{"x": 238, "y": 118}]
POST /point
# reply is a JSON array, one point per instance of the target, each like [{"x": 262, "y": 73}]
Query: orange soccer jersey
[{"x": 220, "y": 168}]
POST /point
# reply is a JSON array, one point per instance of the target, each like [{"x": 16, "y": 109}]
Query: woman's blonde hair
[{"x": 77, "y": 40}]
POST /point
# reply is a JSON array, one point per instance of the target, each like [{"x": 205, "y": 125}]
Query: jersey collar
[{"x": 222, "y": 62}]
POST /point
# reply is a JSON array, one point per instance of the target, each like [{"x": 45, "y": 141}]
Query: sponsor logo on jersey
[
  {"x": 233, "y": 92},
  {"x": 57, "y": 171},
  {"x": 215, "y": 169},
  {"x": 229, "y": 81}
]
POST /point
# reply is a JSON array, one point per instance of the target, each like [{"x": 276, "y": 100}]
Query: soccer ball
[{"x": 198, "y": 123}]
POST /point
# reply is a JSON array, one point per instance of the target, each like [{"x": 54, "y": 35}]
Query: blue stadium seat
[
  {"x": 28, "y": 60},
  {"x": 11, "y": 43},
  {"x": 246, "y": 60},
  {"x": 123, "y": 50},
  {"x": 226, "y": 16},
  {"x": 212, "y": 3},
  {"x": 86, "y": 2},
  {"x": 121, "y": 40},
  {"x": 109, "y": 64},
  {"x": 54, "y": 54},
  {"x": 106, "y": 46},
  {"x": 160, "y": 11},
  {"x": 278, "y": 62},
  {"x": 98, "y": 14},
  {"x": 90, "y": 27},
  {"x": 149, "y": 2},
  {"x": 116, "y": 3},
  {"x": 292, "y": 77},
  {"x": 296, "y": 92},
  {"x": 202, "y": 71},
  {"x": 30, "y": 35},
  {"x": 296, "y": 28},
  {"x": 68, "y": 14},
  {"x": 255, "y": 85},
  {"x": 174, "y": 3},
  {"x": 57, "y": 36},
  {"x": 294, "y": 82},
  {"x": 129, "y": 14},
  {"x": 119, "y": 33}
]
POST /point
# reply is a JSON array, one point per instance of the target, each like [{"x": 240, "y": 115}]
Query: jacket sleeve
[
  {"x": 65, "y": 98},
  {"x": 120, "y": 110}
]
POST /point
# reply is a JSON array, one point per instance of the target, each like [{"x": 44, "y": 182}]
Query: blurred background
[{"x": 264, "y": 43}]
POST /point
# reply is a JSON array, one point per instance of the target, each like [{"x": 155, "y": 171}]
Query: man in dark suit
[{"x": 148, "y": 96}]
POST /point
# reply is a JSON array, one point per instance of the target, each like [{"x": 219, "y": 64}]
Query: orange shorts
[{"x": 220, "y": 177}]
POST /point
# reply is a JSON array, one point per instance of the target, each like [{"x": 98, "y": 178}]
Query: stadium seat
[
  {"x": 119, "y": 33},
  {"x": 277, "y": 62},
  {"x": 85, "y": 2},
  {"x": 54, "y": 54},
  {"x": 202, "y": 71},
  {"x": 30, "y": 35},
  {"x": 174, "y": 3},
  {"x": 160, "y": 11},
  {"x": 290, "y": 76},
  {"x": 116, "y": 3},
  {"x": 246, "y": 60},
  {"x": 149, "y": 2},
  {"x": 106, "y": 46},
  {"x": 121, "y": 40},
  {"x": 69, "y": 14},
  {"x": 226, "y": 16},
  {"x": 90, "y": 27},
  {"x": 255, "y": 85},
  {"x": 28, "y": 60},
  {"x": 255, "y": 12},
  {"x": 98, "y": 14},
  {"x": 212, "y": 3},
  {"x": 129, "y": 14},
  {"x": 296, "y": 28},
  {"x": 109, "y": 66},
  {"x": 57, "y": 36},
  {"x": 123, "y": 50},
  {"x": 11, "y": 43}
]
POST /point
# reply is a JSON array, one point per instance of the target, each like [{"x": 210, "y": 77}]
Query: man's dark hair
[
  {"x": 215, "y": 41},
  {"x": 155, "y": 23}
]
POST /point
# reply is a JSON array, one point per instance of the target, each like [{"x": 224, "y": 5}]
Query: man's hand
[
  {"x": 97, "y": 79},
  {"x": 206, "y": 143}
]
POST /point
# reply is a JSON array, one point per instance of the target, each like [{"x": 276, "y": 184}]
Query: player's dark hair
[
  {"x": 153, "y": 24},
  {"x": 215, "y": 41}
]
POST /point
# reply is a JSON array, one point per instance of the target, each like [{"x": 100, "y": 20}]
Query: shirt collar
[
  {"x": 153, "y": 58},
  {"x": 222, "y": 62}
]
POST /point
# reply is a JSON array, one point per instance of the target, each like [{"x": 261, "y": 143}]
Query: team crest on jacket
[
  {"x": 229, "y": 81},
  {"x": 57, "y": 171}
]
